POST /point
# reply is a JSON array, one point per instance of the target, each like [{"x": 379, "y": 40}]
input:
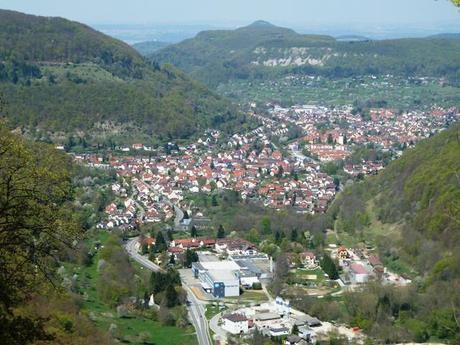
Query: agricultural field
[{"x": 384, "y": 91}]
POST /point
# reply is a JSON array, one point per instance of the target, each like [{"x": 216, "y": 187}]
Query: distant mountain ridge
[
  {"x": 261, "y": 50},
  {"x": 446, "y": 35},
  {"x": 149, "y": 47},
  {"x": 60, "y": 75}
]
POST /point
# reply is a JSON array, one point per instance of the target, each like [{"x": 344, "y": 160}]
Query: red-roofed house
[
  {"x": 308, "y": 259},
  {"x": 358, "y": 273}
]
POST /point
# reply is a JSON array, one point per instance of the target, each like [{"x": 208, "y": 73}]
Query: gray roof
[
  {"x": 266, "y": 316},
  {"x": 235, "y": 317}
]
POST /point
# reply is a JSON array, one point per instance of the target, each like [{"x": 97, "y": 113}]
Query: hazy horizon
[
  {"x": 173, "y": 20},
  {"x": 292, "y": 12}
]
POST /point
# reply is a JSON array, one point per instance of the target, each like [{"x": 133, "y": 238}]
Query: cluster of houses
[
  {"x": 278, "y": 319},
  {"x": 359, "y": 266},
  {"x": 258, "y": 172},
  {"x": 341, "y": 126},
  {"x": 123, "y": 217},
  {"x": 364, "y": 168}
]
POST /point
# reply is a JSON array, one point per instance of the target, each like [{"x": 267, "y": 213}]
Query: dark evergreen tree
[
  {"x": 194, "y": 231},
  {"x": 190, "y": 257},
  {"x": 221, "y": 232},
  {"x": 294, "y": 235},
  {"x": 160, "y": 243},
  {"x": 328, "y": 266},
  {"x": 172, "y": 297}
]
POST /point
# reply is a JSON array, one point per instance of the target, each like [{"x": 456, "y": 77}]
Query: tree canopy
[{"x": 36, "y": 222}]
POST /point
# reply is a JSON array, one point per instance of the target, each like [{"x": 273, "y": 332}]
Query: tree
[
  {"x": 214, "y": 202},
  {"x": 221, "y": 232},
  {"x": 194, "y": 231},
  {"x": 186, "y": 216},
  {"x": 172, "y": 297},
  {"x": 281, "y": 272},
  {"x": 160, "y": 243},
  {"x": 295, "y": 329},
  {"x": 190, "y": 257},
  {"x": 294, "y": 235},
  {"x": 165, "y": 317},
  {"x": 277, "y": 237},
  {"x": 144, "y": 249},
  {"x": 253, "y": 236},
  {"x": 266, "y": 226},
  {"x": 328, "y": 266},
  {"x": 36, "y": 222},
  {"x": 456, "y": 2}
]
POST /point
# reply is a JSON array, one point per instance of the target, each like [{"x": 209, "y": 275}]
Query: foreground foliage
[{"x": 36, "y": 224}]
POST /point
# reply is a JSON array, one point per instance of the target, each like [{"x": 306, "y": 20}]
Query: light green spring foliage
[{"x": 35, "y": 217}]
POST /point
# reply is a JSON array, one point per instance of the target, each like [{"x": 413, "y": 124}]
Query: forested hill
[
  {"x": 60, "y": 75},
  {"x": 412, "y": 211},
  {"x": 262, "y": 50},
  {"x": 419, "y": 194},
  {"x": 48, "y": 39}
]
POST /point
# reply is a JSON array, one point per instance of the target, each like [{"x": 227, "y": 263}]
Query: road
[
  {"x": 221, "y": 334},
  {"x": 198, "y": 316},
  {"x": 195, "y": 308}
]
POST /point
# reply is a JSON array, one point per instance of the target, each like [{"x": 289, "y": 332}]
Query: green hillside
[
  {"x": 411, "y": 211},
  {"x": 419, "y": 194},
  {"x": 262, "y": 50},
  {"x": 60, "y": 75}
]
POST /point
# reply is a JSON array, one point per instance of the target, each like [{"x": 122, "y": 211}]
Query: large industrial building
[
  {"x": 224, "y": 278},
  {"x": 220, "y": 278}
]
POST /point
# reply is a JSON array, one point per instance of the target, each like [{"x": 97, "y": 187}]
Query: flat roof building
[{"x": 220, "y": 278}]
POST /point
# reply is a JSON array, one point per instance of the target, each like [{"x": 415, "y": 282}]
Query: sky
[
  {"x": 174, "y": 20},
  {"x": 294, "y": 12}
]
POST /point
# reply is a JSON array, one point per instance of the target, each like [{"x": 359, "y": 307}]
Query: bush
[{"x": 256, "y": 286}]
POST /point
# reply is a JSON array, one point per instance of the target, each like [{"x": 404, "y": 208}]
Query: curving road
[
  {"x": 221, "y": 334},
  {"x": 195, "y": 308}
]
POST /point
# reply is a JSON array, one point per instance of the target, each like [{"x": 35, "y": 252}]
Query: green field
[
  {"x": 305, "y": 277},
  {"x": 214, "y": 309}
]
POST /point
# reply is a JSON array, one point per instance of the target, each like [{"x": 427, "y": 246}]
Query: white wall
[
  {"x": 235, "y": 327},
  {"x": 232, "y": 288}
]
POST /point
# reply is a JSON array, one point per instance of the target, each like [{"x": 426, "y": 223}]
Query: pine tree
[
  {"x": 294, "y": 235},
  {"x": 172, "y": 297},
  {"x": 328, "y": 266},
  {"x": 194, "y": 231},
  {"x": 160, "y": 243},
  {"x": 221, "y": 232}
]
